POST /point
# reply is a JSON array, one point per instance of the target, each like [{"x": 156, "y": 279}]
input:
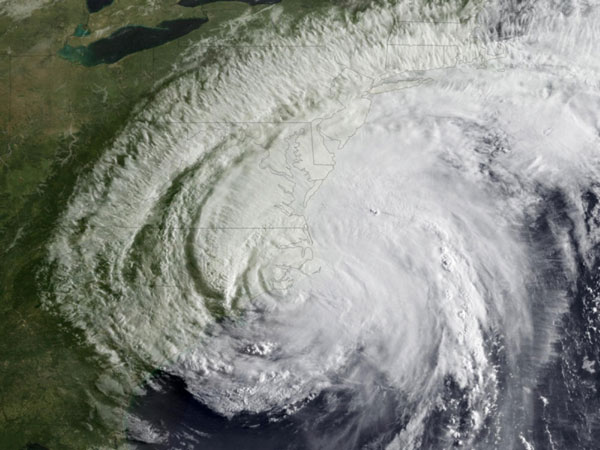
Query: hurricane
[{"x": 374, "y": 229}]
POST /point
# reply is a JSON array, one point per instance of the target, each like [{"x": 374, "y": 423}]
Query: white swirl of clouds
[{"x": 340, "y": 206}]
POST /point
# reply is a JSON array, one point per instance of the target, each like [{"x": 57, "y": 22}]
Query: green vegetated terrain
[{"x": 56, "y": 118}]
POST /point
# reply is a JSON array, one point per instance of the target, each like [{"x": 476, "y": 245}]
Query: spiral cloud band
[{"x": 385, "y": 215}]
